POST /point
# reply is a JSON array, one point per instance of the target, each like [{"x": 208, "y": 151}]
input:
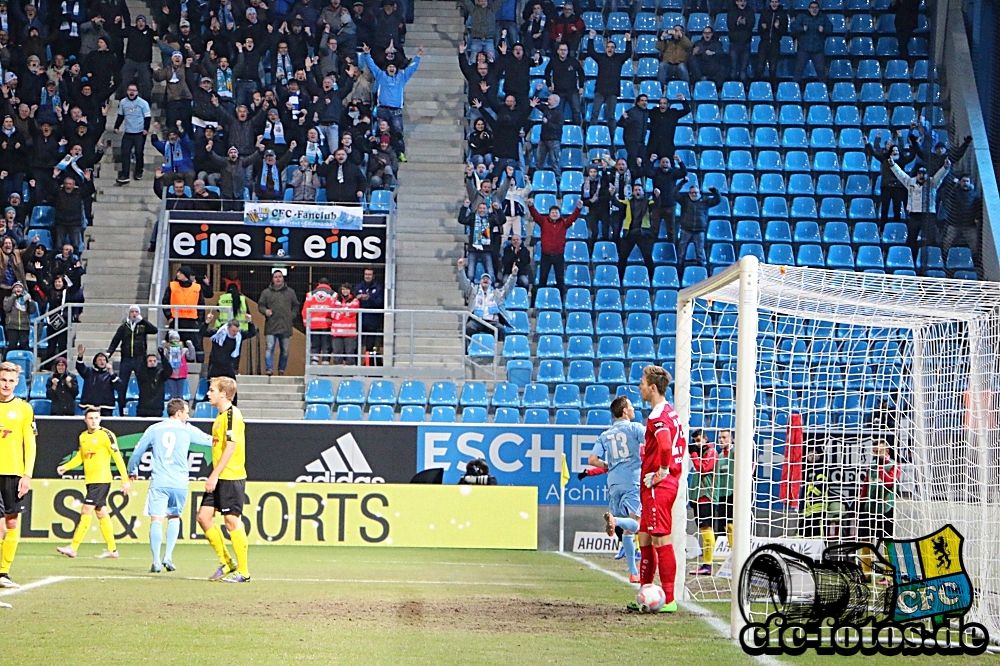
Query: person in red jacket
[
  {"x": 319, "y": 300},
  {"x": 344, "y": 327},
  {"x": 553, "y": 229},
  {"x": 568, "y": 28}
]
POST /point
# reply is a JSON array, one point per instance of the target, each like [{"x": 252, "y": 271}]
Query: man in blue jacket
[
  {"x": 178, "y": 154},
  {"x": 811, "y": 30},
  {"x": 390, "y": 85}
]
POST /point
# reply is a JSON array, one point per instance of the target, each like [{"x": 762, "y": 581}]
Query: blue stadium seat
[
  {"x": 636, "y": 277},
  {"x": 866, "y": 233},
  {"x": 578, "y": 323},
  {"x": 344, "y": 412},
  {"x": 719, "y": 231},
  {"x": 580, "y": 347},
  {"x": 505, "y": 394},
  {"x": 350, "y": 392},
  {"x": 899, "y": 257},
  {"x": 443, "y": 393},
  {"x": 578, "y": 299},
  {"x": 473, "y": 395},
  {"x": 861, "y": 209},
  {"x": 735, "y": 114},
  {"x": 746, "y": 207},
  {"x": 778, "y": 231},
  {"x": 606, "y": 275},
  {"x": 412, "y": 414},
  {"x": 847, "y": 116},
  {"x": 840, "y": 257},
  {"x": 693, "y": 275},
  {"x": 581, "y": 372},
  {"x": 536, "y": 395},
  {"x": 637, "y": 300},
  {"x": 836, "y": 233},
  {"x": 516, "y": 346},
  {"x": 567, "y": 417},
  {"x": 612, "y": 372},
  {"x": 903, "y": 116},
  {"x": 810, "y": 255},
  {"x": 869, "y": 257},
  {"x": 544, "y": 181},
  {"x": 740, "y": 160},
  {"x": 382, "y": 392},
  {"x": 318, "y": 390},
  {"x": 507, "y": 415},
  {"x": 384, "y": 413},
  {"x": 841, "y": 70},
  {"x": 826, "y": 161},
  {"x": 518, "y": 299},
  {"x": 314, "y": 412},
  {"x": 822, "y": 138},
  {"x": 413, "y": 392},
  {"x": 567, "y": 396},
  {"x": 800, "y": 184},
  {"x": 775, "y": 207},
  {"x": 482, "y": 345},
  {"x": 549, "y": 322},
  {"x": 835, "y": 47},
  {"x": 797, "y": 161},
  {"x": 900, "y": 93},
  {"x": 519, "y": 372},
  {"x": 443, "y": 414},
  {"x": 894, "y": 233},
  {"x": 608, "y": 300},
  {"x": 609, "y": 323},
  {"x": 780, "y": 253},
  {"x": 599, "y": 417},
  {"x": 806, "y": 232},
  {"x": 639, "y": 323},
  {"x": 772, "y": 183},
  {"x": 666, "y": 325},
  {"x": 829, "y": 185},
  {"x": 733, "y": 91},
  {"x": 760, "y": 91},
  {"x": 763, "y": 114},
  {"x": 548, "y": 298},
  {"x": 536, "y": 416},
  {"x": 550, "y": 371},
  {"x": 959, "y": 258},
  {"x": 832, "y": 208},
  {"x": 791, "y": 114},
  {"x": 748, "y": 231},
  {"x": 473, "y": 415}
]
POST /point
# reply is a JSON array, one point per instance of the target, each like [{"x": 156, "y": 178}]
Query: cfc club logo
[{"x": 899, "y": 597}]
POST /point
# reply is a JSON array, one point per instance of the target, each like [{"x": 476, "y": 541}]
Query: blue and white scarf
[
  {"x": 224, "y": 83},
  {"x": 222, "y": 335},
  {"x": 273, "y": 170}
]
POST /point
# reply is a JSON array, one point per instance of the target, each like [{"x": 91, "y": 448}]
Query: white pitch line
[
  {"x": 31, "y": 586},
  {"x": 360, "y": 581},
  {"x": 721, "y": 626}
]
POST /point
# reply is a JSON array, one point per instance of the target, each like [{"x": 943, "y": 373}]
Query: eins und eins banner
[{"x": 328, "y": 514}]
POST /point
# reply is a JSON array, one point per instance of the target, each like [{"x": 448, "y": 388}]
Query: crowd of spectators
[
  {"x": 526, "y": 84},
  {"x": 297, "y": 101}
]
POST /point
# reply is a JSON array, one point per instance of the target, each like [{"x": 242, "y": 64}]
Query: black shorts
[
  {"x": 704, "y": 514},
  {"x": 97, "y": 494},
  {"x": 724, "y": 509},
  {"x": 8, "y": 494},
  {"x": 228, "y": 497}
]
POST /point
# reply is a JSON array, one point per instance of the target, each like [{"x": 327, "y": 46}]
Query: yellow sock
[
  {"x": 8, "y": 549},
  {"x": 729, "y": 535},
  {"x": 707, "y": 544},
  {"x": 108, "y": 531},
  {"x": 240, "y": 547},
  {"x": 214, "y": 536},
  {"x": 81, "y": 531}
]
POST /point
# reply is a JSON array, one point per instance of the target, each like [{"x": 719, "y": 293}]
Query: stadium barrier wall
[{"x": 317, "y": 514}]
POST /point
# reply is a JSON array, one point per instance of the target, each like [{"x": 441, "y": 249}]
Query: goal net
[{"x": 860, "y": 406}]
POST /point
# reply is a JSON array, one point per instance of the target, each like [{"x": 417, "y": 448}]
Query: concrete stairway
[
  {"x": 428, "y": 237},
  {"x": 119, "y": 268},
  {"x": 271, "y": 398}
]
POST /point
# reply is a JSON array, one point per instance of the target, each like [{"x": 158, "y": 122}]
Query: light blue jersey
[
  {"x": 618, "y": 446},
  {"x": 170, "y": 441}
]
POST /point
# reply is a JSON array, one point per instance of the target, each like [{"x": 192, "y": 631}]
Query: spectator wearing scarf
[
  {"x": 267, "y": 176},
  {"x": 224, "y": 359},
  {"x": 276, "y": 132},
  {"x": 178, "y": 354},
  {"x": 178, "y": 154}
]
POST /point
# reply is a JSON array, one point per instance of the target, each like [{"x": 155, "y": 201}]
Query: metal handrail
[
  {"x": 398, "y": 349},
  {"x": 40, "y": 323}
]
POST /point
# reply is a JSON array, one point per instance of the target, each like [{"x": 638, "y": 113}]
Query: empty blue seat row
[{"x": 381, "y": 392}]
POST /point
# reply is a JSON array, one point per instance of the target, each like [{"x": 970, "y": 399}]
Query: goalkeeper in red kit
[{"x": 662, "y": 457}]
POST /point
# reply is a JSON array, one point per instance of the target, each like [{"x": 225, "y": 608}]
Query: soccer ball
[{"x": 650, "y": 598}]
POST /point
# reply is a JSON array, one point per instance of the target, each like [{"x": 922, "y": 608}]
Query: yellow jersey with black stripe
[
  {"x": 229, "y": 426},
  {"x": 17, "y": 438},
  {"x": 96, "y": 451}
]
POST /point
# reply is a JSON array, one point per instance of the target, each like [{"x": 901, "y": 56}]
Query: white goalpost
[{"x": 861, "y": 407}]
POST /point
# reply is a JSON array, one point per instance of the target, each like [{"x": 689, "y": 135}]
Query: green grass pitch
[{"x": 315, "y": 605}]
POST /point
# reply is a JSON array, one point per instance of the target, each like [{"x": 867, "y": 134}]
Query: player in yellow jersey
[
  {"x": 98, "y": 447},
  {"x": 17, "y": 463},
  {"x": 225, "y": 488}
]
